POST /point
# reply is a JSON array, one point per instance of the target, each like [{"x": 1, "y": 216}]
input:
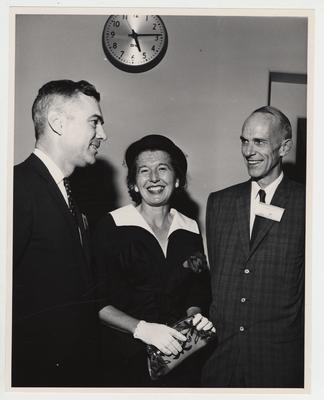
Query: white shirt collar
[
  {"x": 129, "y": 216},
  {"x": 53, "y": 169},
  {"x": 270, "y": 189}
]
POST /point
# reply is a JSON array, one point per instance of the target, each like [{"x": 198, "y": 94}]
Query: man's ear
[
  {"x": 55, "y": 121},
  {"x": 285, "y": 147}
]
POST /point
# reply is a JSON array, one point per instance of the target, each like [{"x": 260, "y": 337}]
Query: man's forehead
[
  {"x": 265, "y": 125},
  {"x": 81, "y": 99},
  {"x": 78, "y": 103}
]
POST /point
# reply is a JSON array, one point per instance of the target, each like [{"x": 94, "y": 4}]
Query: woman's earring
[
  {"x": 177, "y": 184},
  {"x": 136, "y": 189}
]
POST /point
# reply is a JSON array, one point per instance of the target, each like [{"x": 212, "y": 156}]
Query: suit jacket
[
  {"x": 258, "y": 292},
  {"x": 54, "y": 318}
]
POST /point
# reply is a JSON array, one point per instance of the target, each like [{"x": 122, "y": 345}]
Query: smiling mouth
[
  {"x": 253, "y": 162},
  {"x": 155, "y": 189},
  {"x": 94, "y": 146}
]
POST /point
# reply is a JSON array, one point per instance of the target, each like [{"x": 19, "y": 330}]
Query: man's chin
[
  {"x": 90, "y": 160},
  {"x": 254, "y": 174}
]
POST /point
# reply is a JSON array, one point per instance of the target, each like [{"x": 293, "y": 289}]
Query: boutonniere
[{"x": 197, "y": 262}]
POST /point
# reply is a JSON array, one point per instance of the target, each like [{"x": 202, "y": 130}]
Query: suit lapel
[
  {"x": 243, "y": 216},
  {"x": 279, "y": 199},
  {"x": 56, "y": 194}
]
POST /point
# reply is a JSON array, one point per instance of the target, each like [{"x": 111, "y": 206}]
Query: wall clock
[{"x": 134, "y": 43}]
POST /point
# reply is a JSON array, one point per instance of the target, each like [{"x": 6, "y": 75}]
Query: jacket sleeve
[
  {"x": 199, "y": 293},
  {"x": 22, "y": 219},
  {"x": 211, "y": 221},
  {"x": 112, "y": 287}
]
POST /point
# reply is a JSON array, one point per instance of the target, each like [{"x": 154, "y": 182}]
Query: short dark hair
[
  {"x": 154, "y": 143},
  {"x": 64, "y": 88},
  {"x": 284, "y": 123}
]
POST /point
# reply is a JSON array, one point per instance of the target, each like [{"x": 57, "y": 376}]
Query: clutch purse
[{"x": 160, "y": 364}]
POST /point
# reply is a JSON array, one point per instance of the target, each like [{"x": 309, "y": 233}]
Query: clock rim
[{"x": 135, "y": 68}]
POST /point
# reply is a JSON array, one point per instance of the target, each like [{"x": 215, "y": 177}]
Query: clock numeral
[
  {"x": 115, "y": 45},
  {"x": 154, "y": 27},
  {"x": 153, "y": 48},
  {"x": 112, "y": 34},
  {"x": 116, "y": 24},
  {"x": 122, "y": 53},
  {"x": 125, "y": 17},
  {"x": 156, "y": 38},
  {"x": 144, "y": 55}
]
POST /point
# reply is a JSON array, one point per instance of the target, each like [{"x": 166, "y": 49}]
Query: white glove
[
  {"x": 163, "y": 337},
  {"x": 201, "y": 322}
]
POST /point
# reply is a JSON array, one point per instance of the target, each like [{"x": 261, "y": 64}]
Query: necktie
[
  {"x": 262, "y": 195},
  {"x": 258, "y": 220},
  {"x": 67, "y": 186},
  {"x": 73, "y": 207}
]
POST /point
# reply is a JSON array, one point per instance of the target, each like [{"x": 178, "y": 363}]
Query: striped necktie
[
  {"x": 73, "y": 208},
  {"x": 71, "y": 202}
]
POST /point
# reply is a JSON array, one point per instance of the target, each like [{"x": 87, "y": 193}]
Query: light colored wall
[{"x": 214, "y": 74}]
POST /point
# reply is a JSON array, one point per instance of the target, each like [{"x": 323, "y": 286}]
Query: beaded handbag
[{"x": 160, "y": 364}]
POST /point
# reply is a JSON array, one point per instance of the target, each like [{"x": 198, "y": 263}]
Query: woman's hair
[{"x": 154, "y": 143}]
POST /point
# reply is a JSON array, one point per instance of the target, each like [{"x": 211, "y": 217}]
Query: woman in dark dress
[{"x": 152, "y": 270}]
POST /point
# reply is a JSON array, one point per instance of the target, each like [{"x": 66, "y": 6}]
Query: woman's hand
[
  {"x": 163, "y": 337},
  {"x": 203, "y": 323}
]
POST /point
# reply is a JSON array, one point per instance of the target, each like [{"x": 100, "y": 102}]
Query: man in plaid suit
[{"x": 257, "y": 254}]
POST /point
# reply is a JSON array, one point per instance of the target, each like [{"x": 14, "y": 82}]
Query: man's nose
[
  {"x": 248, "y": 149},
  {"x": 100, "y": 132}
]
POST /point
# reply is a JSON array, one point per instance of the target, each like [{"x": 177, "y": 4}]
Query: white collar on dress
[{"x": 130, "y": 216}]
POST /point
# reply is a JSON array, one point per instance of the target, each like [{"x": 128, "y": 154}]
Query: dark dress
[{"x": 135, "y": 276}]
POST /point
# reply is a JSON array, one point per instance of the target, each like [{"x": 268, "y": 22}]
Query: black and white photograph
[{"x": 161, "y": 185}]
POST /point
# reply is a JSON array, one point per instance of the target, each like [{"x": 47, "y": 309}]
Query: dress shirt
[
  {"x": 269, "y": 190},
  {"x": 54, "y": 170}
]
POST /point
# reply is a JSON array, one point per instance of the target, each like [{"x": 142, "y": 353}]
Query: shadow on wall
[
  {"x": 186, "y": 205},
  {"x": 95, "y": 191},
  {"x": 297, "y": 171}
]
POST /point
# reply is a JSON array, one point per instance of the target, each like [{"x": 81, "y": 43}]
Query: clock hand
[
  {"x": 134, "y": 35},
  {"x": 137, "y": 42},
  {"x": 148, "y": 34}
]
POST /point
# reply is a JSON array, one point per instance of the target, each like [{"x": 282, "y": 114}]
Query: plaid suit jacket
[{"x": 258, "y": 292}]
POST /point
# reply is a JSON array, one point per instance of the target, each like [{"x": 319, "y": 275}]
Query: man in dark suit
[
  {"x": 256, "y": 253},
  {"x": 54, "y": 318}
]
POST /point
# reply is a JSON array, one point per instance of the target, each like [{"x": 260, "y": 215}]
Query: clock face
[{"x": 134, "y": 43}]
